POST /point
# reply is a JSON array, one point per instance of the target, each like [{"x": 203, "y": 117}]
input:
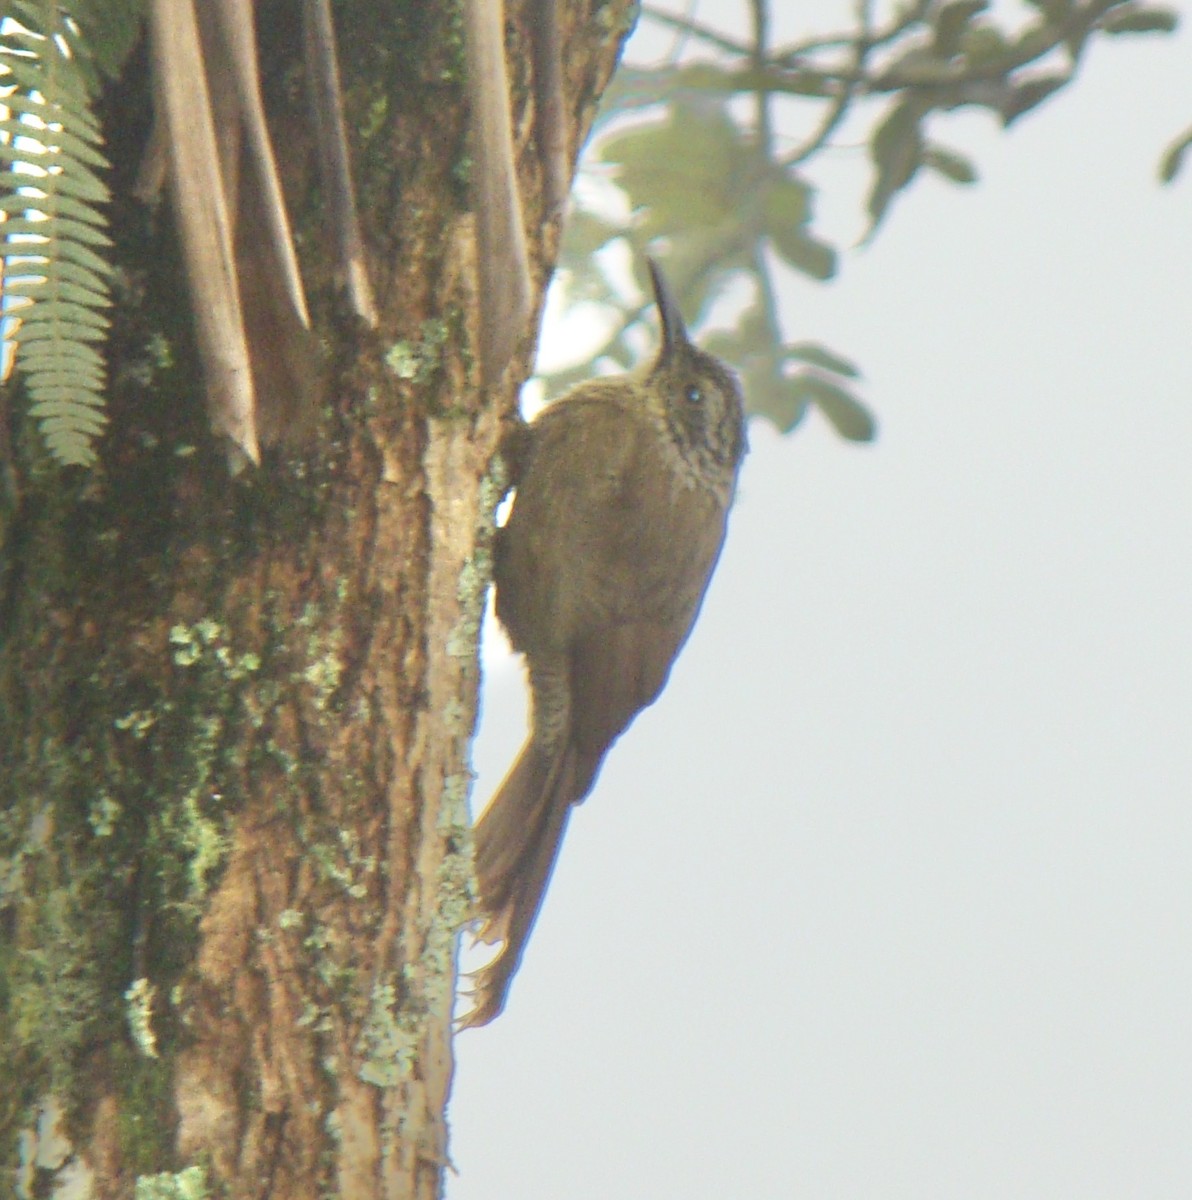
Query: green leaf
[
  {"x": 724, "y": 343},
  {"x": 586, "y": 233},
  {"x": 54, "y": 308},
  {"x": 816, "y": 355},
  {"x": 769, "y": 395},
  {"x": 81, "y": 185},
  {"x": 851, "y": 419},
  {"x": 948, "y": 163},
  {"x": 1139, "y": 20},
  {"x": 1054, "y": 10},
  {"x": 786, "y": 202},
  {"x": 686, "y": 172},
  {"x": 91, "y": 378},
  {"x": 10, "y": 154},
  {"x": 750, "y": 338},
  {"x": 52, "y": 366},
  {"x": 111, "y": 29},
  {"x": 1030, "y": 95},
  {"x": 63, "y": 228},
  {"x": 23, "y": 202},
  {"x": 1173, "y": 157},
  {"x": 950, "y": 23},
  {"x": 76, "y": 252},
  {"x": 75, "y": 423},
  {"x": 983, "y": 44},
  {"x": 66, "y": 415},
  {"x": 64, "y": 141},
  {"x": 57, "y": 405},
  {"x": 37, "y": 331},
  {"x": 64, "y": 272},
  {"x": 785, "y": 212},
  {"x": 805, "y": 253},
  {"x": 632, "y": 89},
  {"x": 896, "y": 147},
  {"x": 81, "y": 296},
  {"x": 620, "y": 354},
  {"x": 41, "y": 355}
]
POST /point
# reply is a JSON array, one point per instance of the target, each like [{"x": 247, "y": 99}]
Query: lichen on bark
[{"x": 235, "y": 714}]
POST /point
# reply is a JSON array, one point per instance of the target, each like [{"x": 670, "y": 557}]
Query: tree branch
[{"x": 693, "y": 28}]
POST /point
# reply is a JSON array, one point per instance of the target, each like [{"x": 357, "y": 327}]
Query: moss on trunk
[{"x": 235, "y": 712}]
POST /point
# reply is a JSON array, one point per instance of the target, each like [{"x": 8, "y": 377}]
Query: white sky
[{"x": 890, "y": 896}]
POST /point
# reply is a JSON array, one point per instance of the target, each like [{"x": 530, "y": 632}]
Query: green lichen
[
  {"x": 457, "y": 879},
  {"x": 345, "y": 864},
  {"x": 453, "y": 813},
  {"x": 402, "y": 361},
  {"x": 98, "y": 832},
  {"x": 188, "y": 1184},
  {"x": 205, "y": 642},
  {"x": 338, "y": 859},
  {"x": 455, "y": 714},
  {"x": 331, "y": 960},
  {"x": 457, "y": 903},
  {"x": 493, "y": 489},
  {"x": 139, "y": 997},
  {"x": 476, "y": 574},
  {"x": 389, "y": 1041},
  {"x": 324, "y": 674},
  {"x": 376, "y": 118},
  {"x": 103, "y": 814},
  {"x": 138, "y": 722},
  {"x": 196, "y": 821},
  {"x": 323, "y": 664},
  {"x": 395, "y": 1025},
  {"x": 58, "y": 984},
  {"x": 160, "y": 351},
  {"x": 471, "y": 590},
  {"x": 418, "y": 361},
  {"x": 452, "y": 42}
]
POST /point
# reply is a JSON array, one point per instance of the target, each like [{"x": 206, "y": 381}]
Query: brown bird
[{"x": 623, "y": 490}]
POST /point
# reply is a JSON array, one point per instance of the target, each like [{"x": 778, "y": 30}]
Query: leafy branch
[{"x": 712, "y": 187}]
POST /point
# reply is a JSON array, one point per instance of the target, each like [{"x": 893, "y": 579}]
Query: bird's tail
[{"x": 517, "y": 842}]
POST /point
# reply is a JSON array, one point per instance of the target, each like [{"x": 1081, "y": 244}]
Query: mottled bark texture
[{"x": 235, "y": 712}]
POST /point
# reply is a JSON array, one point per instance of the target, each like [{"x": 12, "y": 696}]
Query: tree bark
[{"x": 235, "y": 713}]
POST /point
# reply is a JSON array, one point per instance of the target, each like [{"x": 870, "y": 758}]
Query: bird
[{"x": 622, "y": 494}]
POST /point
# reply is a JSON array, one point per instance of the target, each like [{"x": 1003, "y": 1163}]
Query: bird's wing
[{"x": 616, "y": 672}]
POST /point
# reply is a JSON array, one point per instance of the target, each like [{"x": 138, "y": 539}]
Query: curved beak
[{"x": 674, "y": 332}]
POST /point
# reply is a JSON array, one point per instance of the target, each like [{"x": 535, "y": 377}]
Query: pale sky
[{"x": 890, "y": 896}]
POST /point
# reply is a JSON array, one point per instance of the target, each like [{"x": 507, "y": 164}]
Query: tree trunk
[{"x": 235, "y": 712}]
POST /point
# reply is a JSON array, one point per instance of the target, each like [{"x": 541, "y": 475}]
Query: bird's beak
[{"x": 674, "y": 332}]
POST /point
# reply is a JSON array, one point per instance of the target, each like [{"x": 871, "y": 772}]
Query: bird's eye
[{"x": 694, "y": 395}]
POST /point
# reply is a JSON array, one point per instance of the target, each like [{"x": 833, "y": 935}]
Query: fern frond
[
  {"x": 110, "y": 29},
  {"x": 54, "y": 279}
]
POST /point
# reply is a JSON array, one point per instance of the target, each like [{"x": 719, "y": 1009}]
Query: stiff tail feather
[{"x": 517, "y": 842}]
